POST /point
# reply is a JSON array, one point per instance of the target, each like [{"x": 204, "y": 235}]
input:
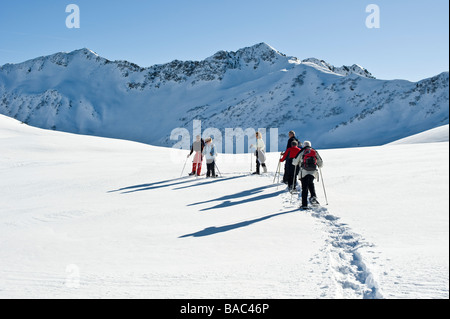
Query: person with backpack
[
  {"x": 197, "y": 147},
  {"x": 292, "y": 138},
  {"x": 308, "y": 162},
  {"x": 260, "y": 153},
  {"x": 290, "y": 171},
  {"x": 210, "y": 153}
]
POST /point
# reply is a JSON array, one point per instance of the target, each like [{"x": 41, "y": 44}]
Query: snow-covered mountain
[{"x": 255, "y": 87}]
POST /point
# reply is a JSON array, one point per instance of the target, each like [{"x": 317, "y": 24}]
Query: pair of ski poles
[
  {"x": 278, "y": 170},
  {"x": 185, "y": 162}
]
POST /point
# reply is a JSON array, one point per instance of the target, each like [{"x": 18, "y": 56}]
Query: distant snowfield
[
  {"x": 88, "y": 217},
  {"x": 436, "y": 135}
]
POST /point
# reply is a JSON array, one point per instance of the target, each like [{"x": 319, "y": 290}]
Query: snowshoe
[{"x": 314, "y": 201}]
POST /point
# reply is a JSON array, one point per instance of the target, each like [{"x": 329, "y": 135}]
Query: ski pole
[
  {"x": 279, "y": 173},
  {"x": 323, "y": 184},
  {"x": 185, "y": 162},
  {"x": 293, "y": 183},
  {"x": 293, "y": 180},
  {"x": 278, "y": 170},
  {"x": 218, "y": 169},
  {"x": 278, "y": 180},
  {"x": 251, "y": 163}
]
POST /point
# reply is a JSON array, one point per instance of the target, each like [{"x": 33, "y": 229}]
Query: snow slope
[
  {"x": 84, "y": 216},
  {"x": 436, "y": 135},
  {"x": 254, "y": 87}
]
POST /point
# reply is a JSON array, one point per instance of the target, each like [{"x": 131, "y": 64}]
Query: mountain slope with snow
[
  {"x": 89, "y": 217},
  {"x": 436, "y": 135},
  {"x": 255, "y": 87}
]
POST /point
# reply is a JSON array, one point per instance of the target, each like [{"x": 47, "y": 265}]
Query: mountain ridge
[
  {"x": 248, "y": 54},
  {"x": 257, "y": 86}
]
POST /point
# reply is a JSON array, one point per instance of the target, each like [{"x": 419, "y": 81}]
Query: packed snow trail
[{"x": 351, "y": 276}]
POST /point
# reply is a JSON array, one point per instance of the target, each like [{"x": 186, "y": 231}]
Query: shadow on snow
[
  {"x": 170, "y": 182},
  {"x": 136, "y": 188},
  {"x": 222, "y": 229},
  {"x": 212, "y": 181},
  {"x": 227, "y": 200},
  {"x": 237, "y": 195}
]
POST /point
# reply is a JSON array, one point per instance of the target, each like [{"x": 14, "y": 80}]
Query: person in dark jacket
[
  {"x": 197, "y": 147},
  {"x": 292, "y": 138},
  {"x": 290, "y": 171}
]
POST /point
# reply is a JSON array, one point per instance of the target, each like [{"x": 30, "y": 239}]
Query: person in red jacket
[{"x": 289, "y": 155}]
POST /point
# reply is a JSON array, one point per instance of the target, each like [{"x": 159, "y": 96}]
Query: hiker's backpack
[{"x": 309, "y": 160}]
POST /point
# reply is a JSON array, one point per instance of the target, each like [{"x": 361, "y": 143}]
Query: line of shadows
[
  {"x": 229, "y": 203},
  {"x": 245, "y": 193},
  {"x": 172, "y": 182},
  {"x": 156, "y": 185},
  {"x": 222, "y": 229}
]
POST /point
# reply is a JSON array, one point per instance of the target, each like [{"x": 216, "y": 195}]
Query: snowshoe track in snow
[
  {"x": 352, "y": 277},
  {"x": 342, "y": 245}
]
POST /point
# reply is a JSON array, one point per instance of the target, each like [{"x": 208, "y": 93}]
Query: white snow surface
[
  {"x": 91, "y": 217},
  {"x": 436, "y": 135}
]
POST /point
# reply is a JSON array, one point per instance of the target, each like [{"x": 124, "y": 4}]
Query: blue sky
[{"x": 412, "y": 42}]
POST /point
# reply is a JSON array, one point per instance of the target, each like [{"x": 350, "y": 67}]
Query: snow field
[{"x": 83, "y": 216}]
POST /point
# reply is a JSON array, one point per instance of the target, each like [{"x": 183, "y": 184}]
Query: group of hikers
[{"x": 301, "y": 161}]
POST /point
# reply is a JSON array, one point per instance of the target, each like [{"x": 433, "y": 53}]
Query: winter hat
[{"x": 306, "y": 144}]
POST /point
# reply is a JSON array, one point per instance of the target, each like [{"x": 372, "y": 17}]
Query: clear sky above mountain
[{"x": 411, "y": 43}]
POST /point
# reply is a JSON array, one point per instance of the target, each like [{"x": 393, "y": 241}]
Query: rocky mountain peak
[{"x": 343, "y": 70}]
